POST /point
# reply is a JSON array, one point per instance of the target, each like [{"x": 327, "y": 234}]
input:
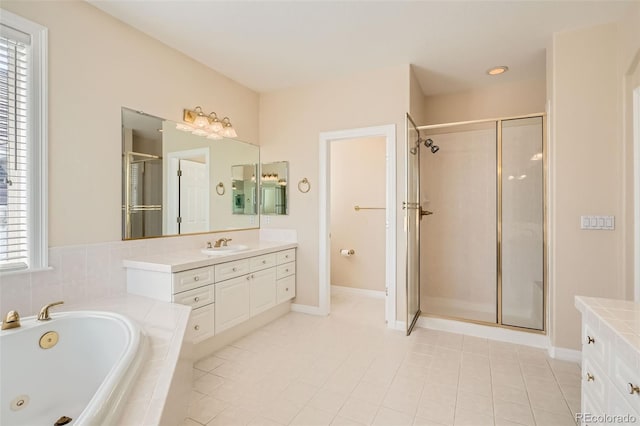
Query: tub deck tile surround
[
  {"x": 349, "y": 369},
  {"x": 165, "y": 325}
]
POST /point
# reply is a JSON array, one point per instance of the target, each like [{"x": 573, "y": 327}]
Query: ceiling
[{"x": 272, "y": 45}]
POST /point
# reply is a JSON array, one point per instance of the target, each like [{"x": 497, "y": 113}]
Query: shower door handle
[{"x": 424, "y": 213}]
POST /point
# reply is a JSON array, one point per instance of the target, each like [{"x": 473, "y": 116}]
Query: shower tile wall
[{"x": 458, "y": 242}]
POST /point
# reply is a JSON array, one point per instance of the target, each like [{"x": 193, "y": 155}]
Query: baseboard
[
  {"x": 565, "y": 354},
  {"x": 397, "y": 325},
  {"x": 485, "y": 331},
  {"x": 306, "y": 309},
  {"x": 359, "y": 291}
]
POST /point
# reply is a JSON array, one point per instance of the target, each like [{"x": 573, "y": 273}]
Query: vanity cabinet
[
  {"x": 610, "y": 362},
  {"x": 222, "y": 294}
]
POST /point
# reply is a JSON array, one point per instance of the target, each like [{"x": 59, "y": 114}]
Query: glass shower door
[
  {"x": 412, "y": 220},
  {"x": 522, "y": 224}
]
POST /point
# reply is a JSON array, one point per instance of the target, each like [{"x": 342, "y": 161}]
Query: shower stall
[{"x": 476, "y": 222}]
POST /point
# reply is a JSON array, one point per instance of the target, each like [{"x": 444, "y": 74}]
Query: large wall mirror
[
  {"x": 274, "y": 188},
  {"x": 178, "y": 183}
]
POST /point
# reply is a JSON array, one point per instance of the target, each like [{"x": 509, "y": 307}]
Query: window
[{"x": 23, "y": 144}]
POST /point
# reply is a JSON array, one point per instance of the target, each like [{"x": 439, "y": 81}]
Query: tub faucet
[
  {"x": 12, "y": 320},
  {"x": 222, "y": 242},
  {"x": 44, "y": 312}
]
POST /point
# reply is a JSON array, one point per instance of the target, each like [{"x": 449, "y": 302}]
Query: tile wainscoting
[{"x": 84, "y": 273}]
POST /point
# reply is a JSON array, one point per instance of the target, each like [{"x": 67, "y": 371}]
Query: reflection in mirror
[
  {"x": 243, "y": 184},
  {"x": 170, "y": 176},
  {"x": 274, "y": 188}
]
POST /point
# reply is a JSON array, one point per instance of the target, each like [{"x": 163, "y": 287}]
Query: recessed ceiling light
[{"x": 498, "y": 70}]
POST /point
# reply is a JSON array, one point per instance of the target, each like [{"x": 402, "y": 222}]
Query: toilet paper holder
[{"x": 347, "y": 252}]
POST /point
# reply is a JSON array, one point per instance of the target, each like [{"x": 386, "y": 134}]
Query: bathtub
[{"x": 86, "y": 376}]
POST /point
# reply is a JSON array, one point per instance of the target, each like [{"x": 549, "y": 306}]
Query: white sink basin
[{"x": 218, "y": 251}]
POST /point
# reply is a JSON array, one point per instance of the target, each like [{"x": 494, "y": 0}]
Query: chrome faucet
[
  {"x": 222, "y": 242},
  {"x": 12, "y": 320},
  {"x": 44, "y": 312}
]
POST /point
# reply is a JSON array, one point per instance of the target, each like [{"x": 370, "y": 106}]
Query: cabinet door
[
  {"x": 232, "y": 302},
  {"x": 263, "y": 290}
]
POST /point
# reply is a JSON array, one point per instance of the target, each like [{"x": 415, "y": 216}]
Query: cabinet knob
[
  {"x": 248, "y": 277},
  {"x": 196, "y": 299},
  {"x": 633, "y": 388},
  {"x": 264, "y": 262},
  {"x": 253, "y": 276},
  {"x": 286, "y": 270},
  {"x": 234, "y": 269},
  {"x": 196, "y": 328},
  {"x": 286, "y": 256},
  {"x": 286, "y": 289},
  {"x": 590, "y": 340},
  {"x": 590, "y": 377},
  {"x": 196, "y": 278}
]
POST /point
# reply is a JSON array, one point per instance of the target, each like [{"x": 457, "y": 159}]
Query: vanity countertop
[
  {"x": 190, "y": 259},
  {"x": 620, "y": 317}
]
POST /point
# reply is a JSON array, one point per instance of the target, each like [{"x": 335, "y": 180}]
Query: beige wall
[
  {"x": 358, "y": 178},
  {"x": 586, "y": 173},
  {"x": 290, "y": 124},
  {"x": 499, "y": 100},
  {"x": 97, "y": 65},
  {"x": 630, "y": 67}
]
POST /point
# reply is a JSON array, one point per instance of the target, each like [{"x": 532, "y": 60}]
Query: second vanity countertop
[{"x": 190, "y": 259}]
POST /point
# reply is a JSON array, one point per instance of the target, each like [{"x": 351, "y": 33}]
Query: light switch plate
[{"x": 598, "y": 222}]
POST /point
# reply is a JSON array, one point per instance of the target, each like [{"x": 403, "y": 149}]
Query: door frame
[
  {"x": 324, "y": 188},
  {"x": 636, "y": 191}
]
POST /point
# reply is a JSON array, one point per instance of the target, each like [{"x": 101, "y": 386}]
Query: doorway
[
  {"x": 329, "y": 141},
  {"x": 187, "y": 192}
]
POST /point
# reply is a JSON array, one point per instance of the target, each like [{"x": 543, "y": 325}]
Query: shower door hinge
[
  {"x": 179, "y": 173},
  {"x": 179, "y": 219},
  {"x": 386, "y": 291}
]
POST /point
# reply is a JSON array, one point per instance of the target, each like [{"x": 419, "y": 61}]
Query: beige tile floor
[{"x": 348, "y": 369}]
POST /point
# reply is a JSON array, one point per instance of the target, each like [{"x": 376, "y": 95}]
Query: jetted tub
[{"x": 85, "y": 376}]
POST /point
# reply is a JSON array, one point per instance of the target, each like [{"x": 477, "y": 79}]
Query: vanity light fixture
[
  {"x": 498, "y": 70},
  {"x": 228, "y": 131},
  {"x": 196, "y": 122}
]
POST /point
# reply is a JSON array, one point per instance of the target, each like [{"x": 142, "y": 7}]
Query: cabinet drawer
[
  {"x": 192, "y": 278},
  {"x": 619, "y": 406},
  {"x": 285, "y": 270},
  {"x": 196, "y": 298},
  {"x": 286, "y": 288},
  {"x": 594, "y": 382},
  {"x": 225, "y": 271},
  {"x": 201, "y": 323},
  {"x": 595, "y": 347},
  {"x": 286, "y": 256},
  {"x": 262, "y": 262},
  {"x": 624, "y": 378}
]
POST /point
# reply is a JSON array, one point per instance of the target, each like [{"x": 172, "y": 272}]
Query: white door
[{"x": 194, "y": 197}]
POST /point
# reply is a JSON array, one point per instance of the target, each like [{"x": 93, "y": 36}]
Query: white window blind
[{"x": 14, "y": 148}]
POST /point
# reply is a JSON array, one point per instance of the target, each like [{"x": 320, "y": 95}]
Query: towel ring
[
  {"x": 302, "y": 184},
  {"x": 220, "y": 189}
]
